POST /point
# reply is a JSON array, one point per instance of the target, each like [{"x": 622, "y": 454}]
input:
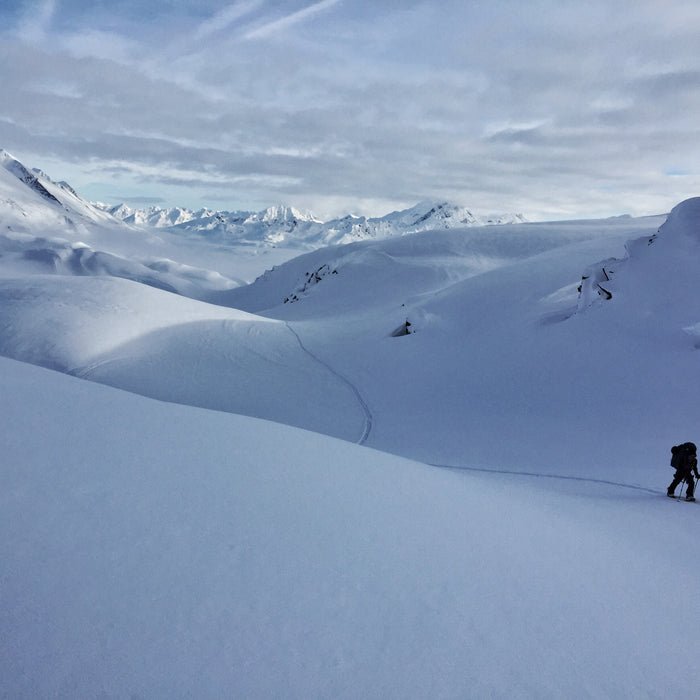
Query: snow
[
  {"x": 288, "y": 226},
  {"x": 155, "y": 550},
  {"x": 260, "y": 498}
]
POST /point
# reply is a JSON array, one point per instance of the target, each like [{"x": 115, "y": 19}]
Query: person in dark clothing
[{"x": 686, "y": 464}]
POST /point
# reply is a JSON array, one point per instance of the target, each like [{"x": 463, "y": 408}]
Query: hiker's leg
[{"x": 691, "y": 485}]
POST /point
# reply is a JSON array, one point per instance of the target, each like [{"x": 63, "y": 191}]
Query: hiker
[{"x": 685, "y": 462}]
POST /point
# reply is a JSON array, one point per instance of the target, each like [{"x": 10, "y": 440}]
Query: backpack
[{"x": 681, "y": 455}]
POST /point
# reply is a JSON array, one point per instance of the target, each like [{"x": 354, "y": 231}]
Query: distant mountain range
[
  {"x": 287, "y": 225},
  {"x": 31, "y": 196}
]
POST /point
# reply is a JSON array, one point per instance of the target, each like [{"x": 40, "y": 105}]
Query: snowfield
[
  {"x": 154, "y": 550},
  {"x": 262, "y": 491}
]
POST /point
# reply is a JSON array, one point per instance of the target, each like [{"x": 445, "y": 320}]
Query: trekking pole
[{"x": 680, "y": 496}]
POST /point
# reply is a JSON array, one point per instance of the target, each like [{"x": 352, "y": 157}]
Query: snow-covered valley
[{"x": 204, "y": 526}]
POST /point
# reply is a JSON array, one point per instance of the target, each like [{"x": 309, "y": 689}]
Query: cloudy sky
[{"x": 551, "y": 108}]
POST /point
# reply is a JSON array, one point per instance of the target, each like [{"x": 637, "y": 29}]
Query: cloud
[
  {"x": 136, "y": 200},
  {"x": 226, "y": 17},
  {"x": 36, "y": 22},
  {"x": 497, "y": 105},
  {"x": 271, "y": 28},
  {"x": 60, "y": 88},
  {"x": 102, "y": 45}
]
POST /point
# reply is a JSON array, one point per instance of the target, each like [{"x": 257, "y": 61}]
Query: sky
[{"x": 550, "y": 109}]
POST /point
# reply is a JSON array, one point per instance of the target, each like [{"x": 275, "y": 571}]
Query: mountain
[
  {"x": 152, "y": 216},
  {"x": 40, "y": 201},
  {"x": 427, "y": 216},
  {"x": 46, "y": 227},
  {"x": 283, "y": 225},
  {"x": 43, "y": 202}
]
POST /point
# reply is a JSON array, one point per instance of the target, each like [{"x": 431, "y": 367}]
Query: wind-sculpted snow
[
  {"x": 683, "y": 221},
  {"x": 61, "y": 257},
  {"x": 69, "y": 322},
  {"x": 655, "y": 270}
]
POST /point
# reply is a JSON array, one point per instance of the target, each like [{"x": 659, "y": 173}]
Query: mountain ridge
[
  {"x": 55, "y": 203},
  {"x": 280, "y": 224},
  {"x": 277, "y": 225}
]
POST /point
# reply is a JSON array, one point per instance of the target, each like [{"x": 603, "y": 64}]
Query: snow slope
[
  {"x": 332, "y": 352},
  {"x": 152, "y": 549},
  {"x": 162, "y": 551},
  {"x": 175, "y": 349},
  {"x": 511, "y": 374},
  {"x": 504, "y": 350}
]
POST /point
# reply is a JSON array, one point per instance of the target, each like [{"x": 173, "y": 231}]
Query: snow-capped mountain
[
  {"x": 152, "y": 216},
  {"x": 41, "y": 200},
  {"x": 46, "y": 227},
  {"x": 30, "y": 198},
  {"x": 285, "y": 225},
  {"x": 426, "y": 216}
]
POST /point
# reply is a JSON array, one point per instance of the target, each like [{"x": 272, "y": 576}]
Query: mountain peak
[
  {"x": 281, "y": 214},
  {"x": 31, "y": 179},
  {"x": 64, "y": 202},
  {"x": 445, "y": 212}
]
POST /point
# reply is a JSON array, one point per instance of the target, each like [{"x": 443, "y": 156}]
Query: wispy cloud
[
  {"x": 271, "y": 28},
  {"x": 100, "y": 44},
  {"x": 226, "y": 17},
  {"x": 36, "y": 22},
  {"x": 493, "y": 104}
]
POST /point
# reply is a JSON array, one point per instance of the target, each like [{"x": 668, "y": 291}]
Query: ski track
[
  {"x": 84, "y": 371},
  {"x": 564, "y": 477},
  {"x": 363, "y": 405}
]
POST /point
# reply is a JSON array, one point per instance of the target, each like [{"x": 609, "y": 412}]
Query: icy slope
[{"x": 153, "y": 550}]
